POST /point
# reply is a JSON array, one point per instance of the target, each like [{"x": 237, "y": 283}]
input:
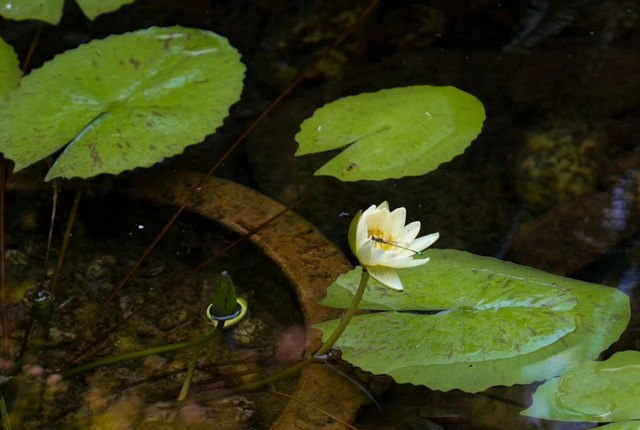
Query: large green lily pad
[
  {"x": 51, "y": 10},
  {"x": 596, "y": 391},
  {"x": 10, "y": 72},
  {"x": 123, "y": 102},
  {"x": 392, "y": 133},
  {"x": 471, "y": 322}
]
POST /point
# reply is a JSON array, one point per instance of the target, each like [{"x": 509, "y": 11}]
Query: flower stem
[
  {"x": 346, "y": 318},
  {"x": 188, "y": 377}
]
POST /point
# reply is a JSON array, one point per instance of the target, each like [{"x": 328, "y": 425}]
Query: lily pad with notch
[
  {"x": 471, "y": 322},
  {"x": 392, "y": 133},
  {"x": 122, "y": 102}
]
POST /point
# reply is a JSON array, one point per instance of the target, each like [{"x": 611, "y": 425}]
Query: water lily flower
[{"x": 382, "y": 243}]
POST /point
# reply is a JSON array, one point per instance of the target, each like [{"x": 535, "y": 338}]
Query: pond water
[
  {"x": 163, "y": 304},
  {"x": 552, "y": 182}
]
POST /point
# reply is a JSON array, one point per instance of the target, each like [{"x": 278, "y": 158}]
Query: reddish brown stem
[
  {"x": 6, "y": 348},
  {"x": 32, "y": 48},
  {"x": 52, "y": 221},
  {"x": 66, "y": 239}
]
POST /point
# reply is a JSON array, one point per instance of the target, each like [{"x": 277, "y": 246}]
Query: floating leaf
[
  {"x": 471, "y": 322},
  {"x": 123, "y": 102},
  {"x": 10, "y": 72},
  {"x": 44, "y": 10},
  {"x": 51, "y": 10},
  {"x": 93, "y": 8},
  {"x": 392, "y": 133},
  {"x": 622, "y": 425},
  {"x": 595, "y": 391},
  {"x": 460, "y": 280}
]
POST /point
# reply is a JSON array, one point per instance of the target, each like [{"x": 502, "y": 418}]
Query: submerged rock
[{"x": 559, "y": 160}]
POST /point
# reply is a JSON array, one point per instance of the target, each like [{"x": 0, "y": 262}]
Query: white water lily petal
[
  {"x": 424, "y": 242},
  {"x": 357, "y": 233},
  {"x": 376, "y": 220},
  {"x": 382, "y": 242},
  {"x": 386, "y": 276},
  {"x": 361, "y": 235},
  {"x": 369, "y": 256},
  {"x": 371, "y": 209},
  {"x": 383, "y": 205},
  {"x": 397, "y": 219},
  {"x": 402, "y": 254},
  {"x": 409, "y": 262},
  {"x": 409, "y": 232}
]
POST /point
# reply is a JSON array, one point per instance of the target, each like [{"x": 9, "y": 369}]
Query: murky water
[
  {"x": 552, "y": 181},
  {"x": 163, "y": 304}
]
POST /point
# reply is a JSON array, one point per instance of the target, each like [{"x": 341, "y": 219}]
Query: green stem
[
  {"x": 6, "y": 423},
  {"x": 151, "y": 351},
  {"x": 290, "y": 371},
  {"x": 346, "y": 318},
  {"x": 256, "y": 385},
  {"x": 188, "y": 377}
]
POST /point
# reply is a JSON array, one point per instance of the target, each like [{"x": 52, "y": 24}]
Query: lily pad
[
  {"x": 392, "y": 133},
  {"x": 51, "y": 10},
  {"x": 622, "y": 425},
  {"x": 93, "y": 8},
  {"x": 595, "y": 391},
  {"x": 10, "y": 72},
  {"x": 122, "y": 102},
  {"x": 471, "y": 322},
  {"x": 44, "y": 10}
]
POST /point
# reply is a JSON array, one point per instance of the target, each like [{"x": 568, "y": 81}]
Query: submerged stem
[
  {"x": 66, "y": 239},
  {"x": 4, "y": 307},
  {"x": 6, "y": 423},
  {"x": 52, "y": 222},
  {"x": 188, "y": 377},
  {"x": 144, "y": 353}
]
